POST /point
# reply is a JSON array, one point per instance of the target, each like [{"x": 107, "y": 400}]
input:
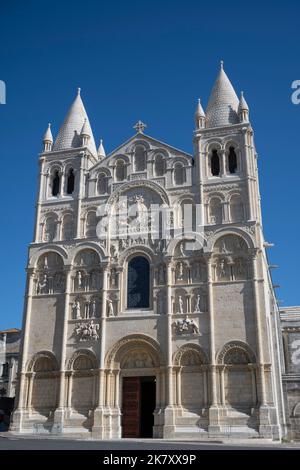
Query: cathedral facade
[{"x": 149, "y": 307}]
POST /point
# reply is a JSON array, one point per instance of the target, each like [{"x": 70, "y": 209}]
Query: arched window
[
  {"x": 179, "y": 174},
  {"x": 55, "y": 186},
  {"x": 138, "y": 283},
  {"x": 67, "y": 227},
  {"x": 102, "y": 183},
  {"x": 120, "y": 170},
  {"x": 215, "y": 211},
  {"x": 139, "y": 158},
  {"x": 215, "y": 163},
  {"x": 70, "y": 181},
  {"x": 82, "y": 399},
  {"x": 44, "y": 386},
  {"x": 239, "y": 384},
  {"x": 91, "y": 224},
  {"x": 232, "y": 161},
  {"x": 159, "y": 165},
  {"x": 236, "y": 209},
  {"x": 50, "y": 228}
]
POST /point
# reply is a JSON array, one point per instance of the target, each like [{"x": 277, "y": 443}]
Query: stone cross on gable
[{"x": 140, "y": 127}]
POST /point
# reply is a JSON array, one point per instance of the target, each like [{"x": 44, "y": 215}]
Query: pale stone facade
[{"x": 207, "y": 324}]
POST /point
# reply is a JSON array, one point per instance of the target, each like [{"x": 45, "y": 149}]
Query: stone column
[
  {"x": 81, "y": 185},
  {"x": 42, "y": 180},
  {"x": 169, "y": 422},
  {"x": 20, "y": 402},
  {"x": 101, "y": 410},
  {"x": 222, "y": 154},
  {"x": 250, "y": 209},
  {"x": 59, "y": 412},
  {"x": 214, "y": 409},
  {"x": 265, "y": 427}
]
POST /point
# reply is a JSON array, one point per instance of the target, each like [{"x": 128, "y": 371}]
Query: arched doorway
[
  {"x": 138, "y": 283},
  {"x": 135, "y": 363}
]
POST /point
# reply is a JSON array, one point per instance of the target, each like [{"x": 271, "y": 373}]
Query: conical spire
[
  {"x": 199, "y": 116},
  {"x": 243, "y": 103},
  {"x": 48, "y": 134},
  {"x": 222, "y": 108},
  {"x": 101, "y": 151},
  {"x": 69, "y": 135},
  {"x": 243, "y": 109},
  {"x": 85, "y": 131},
  {"x": 199, "y": 110},
  {"x": 48, "y": 139}
]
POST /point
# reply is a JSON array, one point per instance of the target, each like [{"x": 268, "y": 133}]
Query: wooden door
[{"x": 131, "y": 405}]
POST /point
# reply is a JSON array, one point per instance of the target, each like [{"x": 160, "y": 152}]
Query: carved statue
[
  {"x": 180, "y": 271},
  {"x": 93, "y": 308},
  {"x": 76, "y": 309},
  {"x": 79, "y": 279},
  {"x": 180, "y": 304},
  {"x": 113, "y": 277},
  {"x": 110, "y": 306},
  {"x": 43, "y": 285},
  {"x": 198, "y": 304}
]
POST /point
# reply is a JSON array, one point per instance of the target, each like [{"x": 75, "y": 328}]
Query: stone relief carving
[
  {"x": 86, "y": 281},
  {"x": 138, "y": 360},
  {"x": 50, "y": 283},
  {"x": 86, "y": 331},
  {"x": 185, "y": 326},
  {"x": 85, "y": 308}
]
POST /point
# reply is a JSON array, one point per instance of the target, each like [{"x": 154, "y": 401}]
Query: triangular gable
[{"x": 124, "y": 148}]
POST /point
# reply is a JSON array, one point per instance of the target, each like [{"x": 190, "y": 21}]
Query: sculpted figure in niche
[
  {"x": 43, "y": 285},
  {"x": 180, "y": 304},
  {"x": 93, "y": 308},
  {"x": 222, "y": 271},
  {"x": 198, "y": 304},
  {"x": 76, "y": 309},
  {"x": 113, "y": 277},
  {"x": 79, "y": 280},
  {"x": 180, "y": 272},
  {"x": 110, "y": 306}
]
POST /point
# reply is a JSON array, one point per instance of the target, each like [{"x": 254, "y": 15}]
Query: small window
[
  {"x": 215, "y": 163},
  {"x": 55, "y": 183},
  {"x": 159, "y": 165},
  {"x": 179, "y": 174},
  {"x": 140, "y": 158},
  {"x": 232, "y": 161},
  {"x": 70, "y": 182},
  {"x": 120, "y": 170},
  {"x": 102, "y": 183}
]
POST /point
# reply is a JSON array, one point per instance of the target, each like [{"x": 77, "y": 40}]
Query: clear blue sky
[{"x": 150, "y": 61}]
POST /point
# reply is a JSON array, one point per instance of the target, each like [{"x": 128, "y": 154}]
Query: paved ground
[{"x": 39, "y": 443}]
